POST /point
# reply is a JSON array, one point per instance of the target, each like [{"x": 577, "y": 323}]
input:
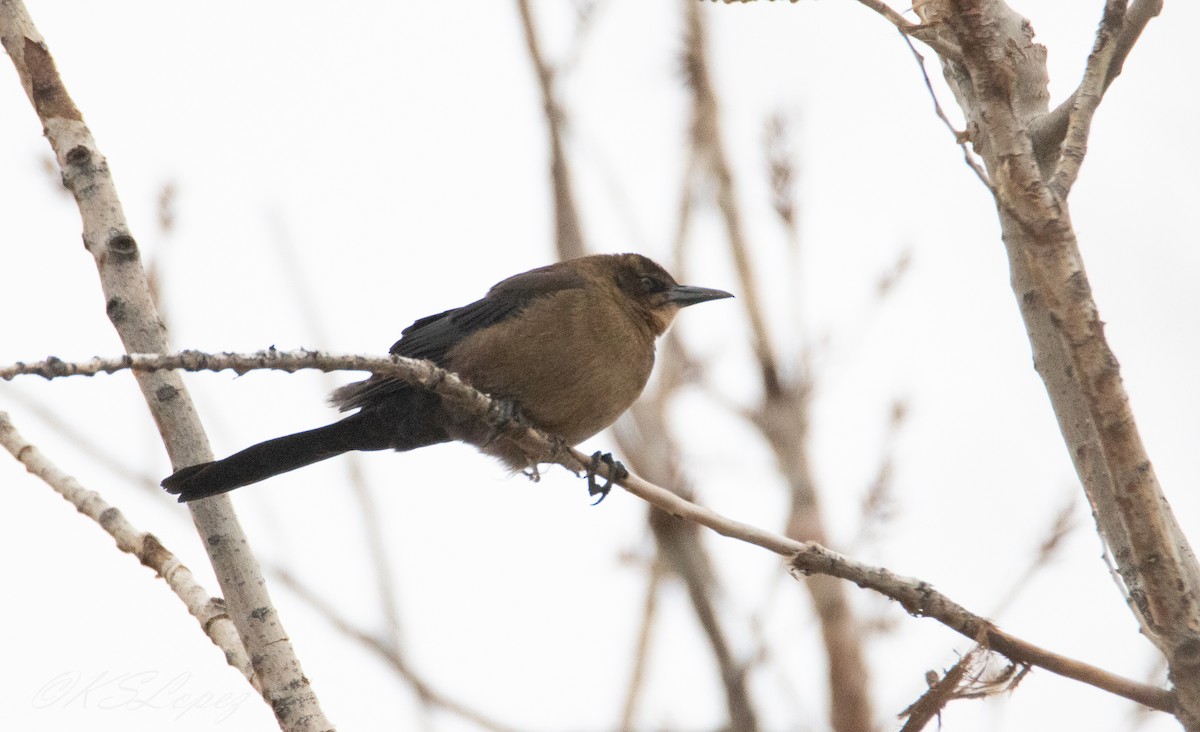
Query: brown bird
[{"x": 569, "y": 345}]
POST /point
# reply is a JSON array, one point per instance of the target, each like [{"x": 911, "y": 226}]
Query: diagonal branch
[
  {"x": 209, "y": 611},
  {"x": 131, "y": 310},
  {"x": 1086, "y": 99},
  {"x": 1118, "y": 33},
  {"x": 924, "y": 33},
  {"x": 647, "y": 441},
  {"x": 678, "y": 546},
  {"x": 804, "y": 558},
  {"x": 959, "y": 137},
  {"x": 1042, "y": 243},
  {"x": 891, "y": 15},
  {"x": 1001, "y": 83}
]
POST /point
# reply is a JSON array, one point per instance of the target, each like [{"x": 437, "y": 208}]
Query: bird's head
[{"x": 653, "y": 292}]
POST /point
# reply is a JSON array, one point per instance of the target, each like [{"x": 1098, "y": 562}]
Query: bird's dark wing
[{"x": 433, "y": 336}]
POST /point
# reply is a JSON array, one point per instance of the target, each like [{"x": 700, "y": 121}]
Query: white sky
[{"x": 394, "y": 156}]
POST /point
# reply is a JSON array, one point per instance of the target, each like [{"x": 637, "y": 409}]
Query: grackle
[{"x": 570, "y": 345}]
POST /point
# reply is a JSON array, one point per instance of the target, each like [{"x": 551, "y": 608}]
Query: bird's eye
[{"x": 650, "y": 284}]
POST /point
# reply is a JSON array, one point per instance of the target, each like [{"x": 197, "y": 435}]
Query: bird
[{"x": 568, "y": 346}]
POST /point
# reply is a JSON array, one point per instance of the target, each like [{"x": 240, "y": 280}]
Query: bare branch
[
  {"x": 941, "y": 691},
  {"x": 1062, "y": 526},
  {"x": 642, "y": 651},
  {"x": 650, "y": 448},
  {"x": 1056, "y": 295},
  {"x": 924, "y": 33},
  {"x": 131, "y": 310},
  {"x": 209, "y": 611},
  {"x": 782, "y": 414},
  {"x": 917, "y": 597},
  {"x": 569, "y": 235},
  {"x": 781, "y": 171},
  {"x": 804, "y": 558},
  {"x": 970, "y": 678},
  {"x": 960, "y": 137},
  {"x": 1049, "y": 131},
  {"x": 891, "y": 15},
  {"x": 1001, "y": 83},
  {"x": 706, "y": 141},
  {"x": 1086, "y": 99}
]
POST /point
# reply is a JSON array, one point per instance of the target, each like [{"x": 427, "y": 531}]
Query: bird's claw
[{"x": 616, "y": 472}]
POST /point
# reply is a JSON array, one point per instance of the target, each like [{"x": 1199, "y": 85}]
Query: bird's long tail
[{"x": 261, "y": 461}]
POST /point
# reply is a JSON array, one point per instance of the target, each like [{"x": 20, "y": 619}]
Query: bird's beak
[{"x": 684, "y": 295}]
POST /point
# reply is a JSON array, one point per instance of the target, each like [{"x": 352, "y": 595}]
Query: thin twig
[
  {"x": 782, "y": 414},
  {"x": 1060, "y": 528},
  {"x": 917, "y": 597},
  {"x": 896, "y": 19},
  {"x": 924, "y": 32},
  {"x": 960, "y": 137}
]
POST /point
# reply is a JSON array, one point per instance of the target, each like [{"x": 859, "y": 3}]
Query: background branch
[
  {"x": 568, "y": 232},
  {"x": 653, "y": 450},
  {"x": 387, "y": 649},
  {"x": 782, "y": 414}
]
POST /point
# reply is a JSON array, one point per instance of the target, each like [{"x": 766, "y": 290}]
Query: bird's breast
[{"x": 573, "y": 362}]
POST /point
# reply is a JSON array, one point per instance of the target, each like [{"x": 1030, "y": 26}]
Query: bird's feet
[
  {"x": 616, "y": 472},
  {"x": 504, "y": 416}
]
